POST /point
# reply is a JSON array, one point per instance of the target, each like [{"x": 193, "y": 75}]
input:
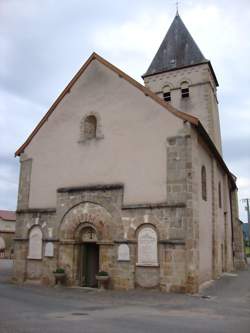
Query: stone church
[{"x": 130, "y": 179}]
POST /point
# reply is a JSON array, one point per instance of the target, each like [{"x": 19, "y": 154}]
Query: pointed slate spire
[{"x": 177, "y": 50}]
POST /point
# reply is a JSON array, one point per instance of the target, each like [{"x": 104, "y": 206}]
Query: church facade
[{"x": 130, "y": 179}]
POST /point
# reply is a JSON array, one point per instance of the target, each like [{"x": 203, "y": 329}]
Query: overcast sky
[{"x": 43, "y": 43}]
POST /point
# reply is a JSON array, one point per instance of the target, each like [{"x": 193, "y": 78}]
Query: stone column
[
  {"x": 20, "y": 262},
  {"x": 24, "y": 182},
  {"x": 182, "y": 156},
  {"x": 215, "y": 227},
  {"x": 106, "y": 259},
  {"x": 192, "y": 213},
  {"x": 66, "y": 260}
]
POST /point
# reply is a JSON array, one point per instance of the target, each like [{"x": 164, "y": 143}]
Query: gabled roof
[
  {"x": 7, "y": 215},
  {"x": 178, "y": 50},
  {"x": 147, "y": 92},
  {"x": 136, "y": 84}
]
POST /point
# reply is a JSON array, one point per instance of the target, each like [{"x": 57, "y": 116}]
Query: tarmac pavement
[{"x": 223, "y": 307}]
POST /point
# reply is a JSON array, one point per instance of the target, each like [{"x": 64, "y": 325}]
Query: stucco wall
[
  {"x": 224, "y": 223},
  {"x": 215, "y": 230},
  {"x": 228, "y": 225},
  {"x": 205, "y": 217},
  {"x": 133, "y": 150}
]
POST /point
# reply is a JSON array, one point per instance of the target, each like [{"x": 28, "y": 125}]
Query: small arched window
[
  {"x": 166, "y": 93},
  {"x": 219, "y": 195},
  {"x": 35, "y": 243},
  {"x": 184, "y": 89},
  {"x": 203, "y": 183},
  {"x": 90, "y": 126}
]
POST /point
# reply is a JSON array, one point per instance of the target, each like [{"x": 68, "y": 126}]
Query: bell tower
[{"x": 182, "y": 76}]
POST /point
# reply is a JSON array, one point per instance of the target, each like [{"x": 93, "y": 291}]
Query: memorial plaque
[
  {"x": 49, "y": 249},
  {"x": 147, "y": 247},
  {"x": 123, "y": 252},
  {"x": 35, "y": 244}
]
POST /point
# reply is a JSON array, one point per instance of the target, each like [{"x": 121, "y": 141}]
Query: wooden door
[{"x": 90, "y": 264}]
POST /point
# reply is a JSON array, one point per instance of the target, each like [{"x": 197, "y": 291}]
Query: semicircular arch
[{"x": 87, "y": 213}]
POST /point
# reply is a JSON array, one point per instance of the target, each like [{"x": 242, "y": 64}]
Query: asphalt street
[{"x": 223, "y": 307}]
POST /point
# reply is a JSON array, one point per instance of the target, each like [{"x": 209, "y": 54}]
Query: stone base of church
[
  {"x": 91, "y": 230},
  {"x": 114, "y": 230}
]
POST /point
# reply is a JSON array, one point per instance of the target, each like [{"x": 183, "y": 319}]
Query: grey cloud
[
  {"x": 237, "y": 148},
  {"x": 43, "y": 44}
]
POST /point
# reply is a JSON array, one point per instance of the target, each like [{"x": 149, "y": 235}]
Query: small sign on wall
[
  {"x": 123, "y": 252},
  {"x": 49, "y": 249}
]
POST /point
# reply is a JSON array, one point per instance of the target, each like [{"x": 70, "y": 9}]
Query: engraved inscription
[
  {"x": 49, "y": 250},
  {"x": 147, "y": 247},
  {"x": 35, "y": 243},
  {"x": 123, "y": 252}
]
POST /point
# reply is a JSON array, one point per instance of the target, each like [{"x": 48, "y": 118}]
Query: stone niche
[{"x": 123, "y": 252}]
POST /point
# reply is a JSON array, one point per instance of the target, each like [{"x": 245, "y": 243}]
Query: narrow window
[
  {"x": 166, "y": 94},
  {"x": 219, "y": 194},
  {"x": 203, "y": 183},
  {"x": 35, "y": 243},
  {"x": 90, "y": 125},
  {"x": 184, "y": 90}
]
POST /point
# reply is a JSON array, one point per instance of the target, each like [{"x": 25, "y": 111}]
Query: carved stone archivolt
[{"x": 86, "y": 217}]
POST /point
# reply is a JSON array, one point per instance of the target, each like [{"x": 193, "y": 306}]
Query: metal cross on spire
[{"x": 177, "y": 7}]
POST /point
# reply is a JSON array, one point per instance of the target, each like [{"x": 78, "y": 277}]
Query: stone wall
[
  {"x": 116, "y": 224},
  {"x": 101, "y": 207},
  {"x": 24, "y": 182},
  {"x": 202, "y": 101},
  {"x": 9, "y": 244},
  {"x": 238, "y": 240}
]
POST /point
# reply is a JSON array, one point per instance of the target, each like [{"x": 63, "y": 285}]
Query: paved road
[{"x": 32, "y": 309}]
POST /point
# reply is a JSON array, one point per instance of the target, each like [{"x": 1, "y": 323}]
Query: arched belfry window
[
  {"x": 35, "y": 243},
  {"x": 184, "y": 89},
  {"x": 166, "y": 93},
  {"x": 90, "y": 127},
  {"x": 203, "y": 183}
]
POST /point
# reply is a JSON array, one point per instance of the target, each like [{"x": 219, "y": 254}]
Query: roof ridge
[
  {"x": 186, "y": 117},
  {"x": 135, "y": 83}
]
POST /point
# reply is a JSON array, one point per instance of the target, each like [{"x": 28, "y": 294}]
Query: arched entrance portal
[
  {"x": 89, "y": 257},
  {"x": 86, "y": 241}
]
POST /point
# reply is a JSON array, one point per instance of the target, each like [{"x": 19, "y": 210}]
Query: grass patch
[{"x": 248, "y": 251}]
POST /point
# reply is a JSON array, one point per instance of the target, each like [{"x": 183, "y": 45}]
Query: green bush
[
  {"x": 248, "y": 251},
  {"x": 102, "y": 273},
  {"x": 59, "y": 270}
]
